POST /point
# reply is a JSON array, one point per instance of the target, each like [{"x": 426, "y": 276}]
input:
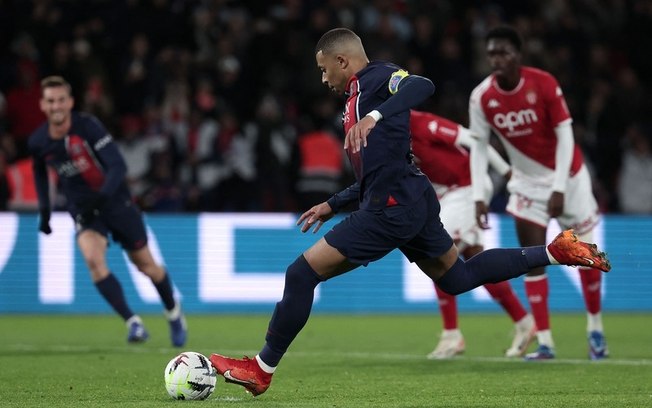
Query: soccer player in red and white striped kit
[
  {"x": 441, "y": 149},
  {"x": 526, "y": 109}
]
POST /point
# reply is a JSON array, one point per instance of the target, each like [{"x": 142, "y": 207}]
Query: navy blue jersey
[
  {"x": 384, "y": 169},
  {"x": 86, "y": 160}
]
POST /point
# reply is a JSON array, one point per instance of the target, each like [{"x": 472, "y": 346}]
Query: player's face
[
  {"x": 503, "y": 57},
  {"x": 332, "y": 73},
  {"x": 56, "y": 104}
]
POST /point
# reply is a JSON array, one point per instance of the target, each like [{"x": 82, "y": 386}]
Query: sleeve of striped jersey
[
  {"x": 479, "y": 149},
  {"x": 563, "y": 156}
]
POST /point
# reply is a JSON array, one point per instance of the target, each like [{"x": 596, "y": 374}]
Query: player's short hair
[
  {"x": 333, "y": 40},
  {"x": 55, "y": 81},
  {"x": 505, "y": 32}
]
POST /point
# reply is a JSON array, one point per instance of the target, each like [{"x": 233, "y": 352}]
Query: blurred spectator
[
  {"x": 164, "y": 193},
  {"x": 23, "y": 114},
  {"x": 4, "y": 183},
  {"x": 274, "y": 139},
  {"x": 238, "y": 191},
  {"x": 320, "y": 167},
  {"x": 137, "y": 151},
  {"x": 3, "y": 114},
  {"x": 97, "y": 101},
  {"x": 134, "y": 72},
  {"x": 635, "y": 182},
  {"x": 201, "y": 170}
]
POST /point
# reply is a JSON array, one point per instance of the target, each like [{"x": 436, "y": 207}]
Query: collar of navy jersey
[{"x": 357, "y": 75}]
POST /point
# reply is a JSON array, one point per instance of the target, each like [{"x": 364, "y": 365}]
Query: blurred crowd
[{"x": 217, "y": 105}]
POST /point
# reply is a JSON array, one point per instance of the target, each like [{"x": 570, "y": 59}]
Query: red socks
[
  {"x": 536, "y": 288},
  {"x": 448, "y": 309},
  {"x": 503, "y": 293},
  {"x": 591, "y": 287}
]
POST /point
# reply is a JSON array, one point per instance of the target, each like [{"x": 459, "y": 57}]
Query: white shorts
[
  {"x": 458, "y": 216},
  {"x": 529, "y": 201}
]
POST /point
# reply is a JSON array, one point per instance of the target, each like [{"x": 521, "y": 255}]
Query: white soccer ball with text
[{"x": 190, "y": 376}]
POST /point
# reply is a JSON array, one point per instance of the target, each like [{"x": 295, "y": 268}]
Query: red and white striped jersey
[
  {"x": 438, "y": 156},
  {"x": 524, "y": 119}
]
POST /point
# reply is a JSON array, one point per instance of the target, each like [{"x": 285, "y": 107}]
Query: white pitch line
[{"x": 141, "y": 349}]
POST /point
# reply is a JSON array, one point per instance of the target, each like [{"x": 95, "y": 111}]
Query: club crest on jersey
[
  {"x": 396, "y": 79},
  {"x": 531, "y": 97},
  {"x": 75, "y": 149}
]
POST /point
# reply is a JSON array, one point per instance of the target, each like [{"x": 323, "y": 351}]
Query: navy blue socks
[
  {"x": 292, "y": 312},
  {"x": 111, "y": 290},
  {"x": 164, "y": 289},
  {"x": 491, "y": 266}
]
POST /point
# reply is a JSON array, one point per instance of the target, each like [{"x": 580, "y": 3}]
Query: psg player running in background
[
  {"x": 441, "y": 150},
  {"x": 92, "y": 175},
  {"x": 398, "y": 208},
  {"x": 525, "y": 107}
]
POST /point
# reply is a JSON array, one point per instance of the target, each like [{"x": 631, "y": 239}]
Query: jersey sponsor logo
[
  {"x": 511, "y": 120},
  {"x": 346, "y": 118},
  {"x": 70, "y": 168},
  {"x": 396, "y": 79}
]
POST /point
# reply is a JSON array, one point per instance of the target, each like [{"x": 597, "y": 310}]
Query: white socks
[
  {"x": 266, "y": 368},
  {"x": 594, "y": 322}
]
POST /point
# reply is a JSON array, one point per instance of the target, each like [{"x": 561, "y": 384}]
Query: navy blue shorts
[
  {"x": 366, "y": 236},
  {"x": 124, "y": 221}
]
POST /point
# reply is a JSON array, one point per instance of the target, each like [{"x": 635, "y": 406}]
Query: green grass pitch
[{"x": 337, "y": 361}]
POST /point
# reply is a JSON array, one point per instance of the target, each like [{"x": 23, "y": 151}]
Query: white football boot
[
  {"x": 524, "y": 332},
  {"x": 451, "y": 343}
]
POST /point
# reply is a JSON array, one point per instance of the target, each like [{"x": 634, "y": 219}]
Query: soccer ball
[{"x": 190, "y": 376}]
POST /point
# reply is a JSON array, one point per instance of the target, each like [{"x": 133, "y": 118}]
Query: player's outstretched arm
[{"x": 316, "y": 216}]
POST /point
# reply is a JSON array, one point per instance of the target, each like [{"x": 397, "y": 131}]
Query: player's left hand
[
  {"x": 482, "y": 215},
  {"x": 556, "y": 204},
  {"x": 316, "y": 216},
  {"x": 356, "y": 137},
  {"x": 44, "y": 222}
]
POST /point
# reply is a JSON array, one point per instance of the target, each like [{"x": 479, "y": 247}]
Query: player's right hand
[
  {"x": 316, "y": 216},
  {"x": 481, "y": 215},
  {"x": 356, "y": 137},
  {"x": 44, "y": 223}
]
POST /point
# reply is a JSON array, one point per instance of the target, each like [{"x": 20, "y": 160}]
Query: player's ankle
[{"x": 264, "y": 366}]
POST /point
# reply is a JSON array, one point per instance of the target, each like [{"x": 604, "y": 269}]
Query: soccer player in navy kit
[
  {"x": 398, "y": 208},
  {"x": 92, "y": 175}
]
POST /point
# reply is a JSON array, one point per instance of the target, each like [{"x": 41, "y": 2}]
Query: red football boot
[
  {"x": 245, "y": 372},
  {"x": 567, "y": 249}
]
